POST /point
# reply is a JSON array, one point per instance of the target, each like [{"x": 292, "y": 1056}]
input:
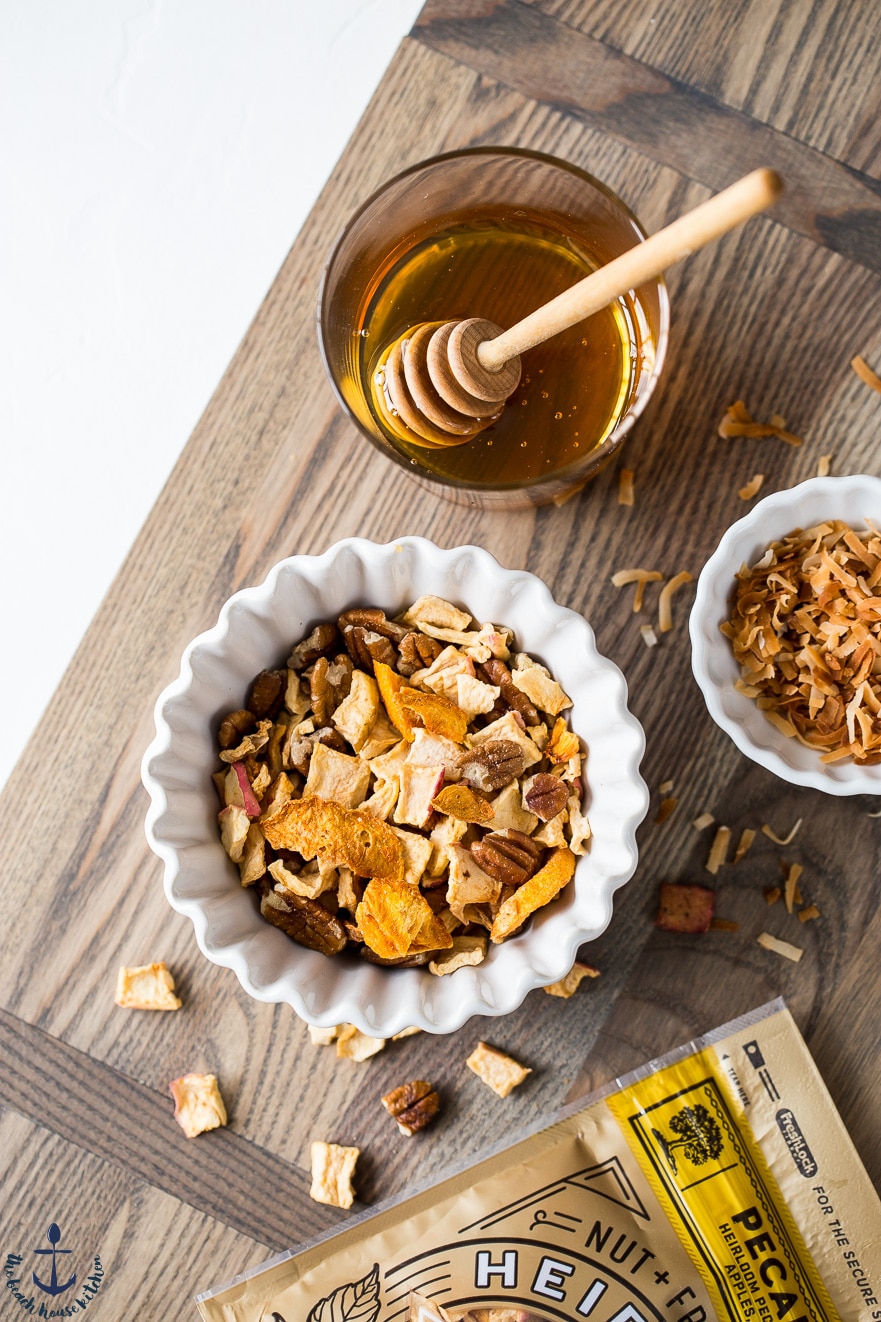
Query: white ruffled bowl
[
  {"x": 851, "y": 499},
  {"x": 255, "y": 630}
]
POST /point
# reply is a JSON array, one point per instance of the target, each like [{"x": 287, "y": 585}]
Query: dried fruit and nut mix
[
  {"x": 404, "y": 788},
  {"x": 806, "y": 629}
]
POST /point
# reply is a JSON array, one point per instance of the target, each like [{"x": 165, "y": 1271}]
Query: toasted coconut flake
[
  {"x": 784, "y": 948},
  {"x": 806, "y": 631},
  {"x": 808, "y": 913},
  {"x": 738, "y": 422},
  {"x": 790, "y": 888},
  {"x": 718, "y": 850},
  {"x": 649, "y": 637},
  {"x": 784, "y": 840},
  {"x": 701, "y": 823},
  {"x": 865, "y": 373},
  {"x": 724, "y": 925},
  {"x": 625, "y": 486},
  {"x": 752, "y": 487},
  {"x": 624, "y": 577},
  {"x": 744, "y": 844},
  {"x": 665, "y": 609},
  {"x": 824, "y": 463},
  {"x": 665, "y": 808},
  {"x": 665, "y": 787},
  {"x": 773, "y": 894}
]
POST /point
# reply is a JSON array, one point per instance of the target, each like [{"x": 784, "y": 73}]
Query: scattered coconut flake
[
  {"x": 772, "y": 894},
  {"x": 665, "y": 808},
  {"x": 625, "y": 486},
  {"x": 718, "y": 850},
  {"x": 724, "y": 925},
  {"x": 665, "y": 610},
  {"x": 744, "y": 844},
  {"x": 786, "y": 840},
  {"x": 805, "y": 915},
  {"x": 873, "y": 814},
  {"x": 752, "y": 487},
  {"x": 649, "y": 637},
  {"x": 624, "y": 577},
  {"x": 824, "y": 463},
  {"x": 865, "y": 373},
  {"x": 739, "y": 422},
  {"x": 665, "y": 787},
  {"x": 701, "y": 823},
  {"x": 784, "y": 948},
  {"x": 791, "y": 885}
]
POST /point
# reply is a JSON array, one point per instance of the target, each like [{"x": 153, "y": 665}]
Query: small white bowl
[
  {"x": 851, "y": 499},
  {"x": 256, "y": 629}
]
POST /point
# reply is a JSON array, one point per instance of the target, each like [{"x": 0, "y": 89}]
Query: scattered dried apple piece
[
  {"x": 146, "y": 987},
  {"x": 198, "y": 1104},
  {"x": 569, "y": 985},
  {"x": 500, "y": 1072},
  {"x": 333, "y": 1167},
  {"x": 684, "y": 907}
]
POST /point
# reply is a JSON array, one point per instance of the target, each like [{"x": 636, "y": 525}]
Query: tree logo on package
[{"x": 698, "y": 1137}]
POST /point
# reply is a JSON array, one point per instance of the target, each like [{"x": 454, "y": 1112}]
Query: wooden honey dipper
[{"x": 447, "y": 381}]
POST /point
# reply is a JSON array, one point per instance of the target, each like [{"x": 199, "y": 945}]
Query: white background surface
[{"x": 158, "y": 159}]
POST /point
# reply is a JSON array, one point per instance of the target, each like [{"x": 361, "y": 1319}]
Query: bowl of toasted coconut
[
  {"x": 395, "y": 786},
  {"x": 786, "y": 634}
]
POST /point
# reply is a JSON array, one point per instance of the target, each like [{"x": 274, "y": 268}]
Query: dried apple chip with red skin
[
  {"x": 538, "y": 891},
  {"x": 685, "y": 907},
  {"x": 395, "y": 920}
]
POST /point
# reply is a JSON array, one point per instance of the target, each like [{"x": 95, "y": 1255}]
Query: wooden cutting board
[{"x": 665, "y": 103}]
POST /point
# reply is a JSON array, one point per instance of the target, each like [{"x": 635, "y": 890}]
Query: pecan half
[
  {"x": 305, "y": 921},
  {"x": 234, "y": 726},
  {"x": 365, "y": 646},
  {"x": 405, "y": 962},
  {"x": 492, "y": 765},
  {"x": 497, "y": 673},
  {"x": 546, "y": 796},
  {"x": 266, "y": 693},
  {"x": 329, "y": 682},
  {"x": 417, "y": 652},
  {"x": 374, "y": 619},
  {"x": 511, "y": 857},
  {"x": 321, "y": 642},
  {"x": 412, "y": 1106}
]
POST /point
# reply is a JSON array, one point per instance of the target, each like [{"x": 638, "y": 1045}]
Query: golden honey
[{"x": 573, "y": 389}]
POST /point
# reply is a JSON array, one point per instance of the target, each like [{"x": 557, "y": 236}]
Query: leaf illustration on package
[{"x": 357, "y": 1302}]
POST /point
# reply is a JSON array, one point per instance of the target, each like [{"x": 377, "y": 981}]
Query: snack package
[{"x": 717, "y": 1182}]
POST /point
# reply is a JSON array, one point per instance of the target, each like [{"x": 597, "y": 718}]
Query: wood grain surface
[{"x": 665, "y": 104}]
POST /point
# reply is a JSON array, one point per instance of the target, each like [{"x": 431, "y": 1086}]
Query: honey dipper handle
[{"x": 645, "y": 261}]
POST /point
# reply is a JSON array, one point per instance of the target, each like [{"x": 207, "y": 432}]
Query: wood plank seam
[
  {"x": 103, "y": 1111},
  {"x": 703, "y": 139}
]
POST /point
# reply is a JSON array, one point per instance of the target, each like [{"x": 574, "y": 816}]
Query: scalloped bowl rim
[
  {"x": 715, "y": 669},
  {"x": 216, "y": 667}
]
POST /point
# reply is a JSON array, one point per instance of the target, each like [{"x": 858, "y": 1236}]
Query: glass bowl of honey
[{"x": 495, "y": 232}]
